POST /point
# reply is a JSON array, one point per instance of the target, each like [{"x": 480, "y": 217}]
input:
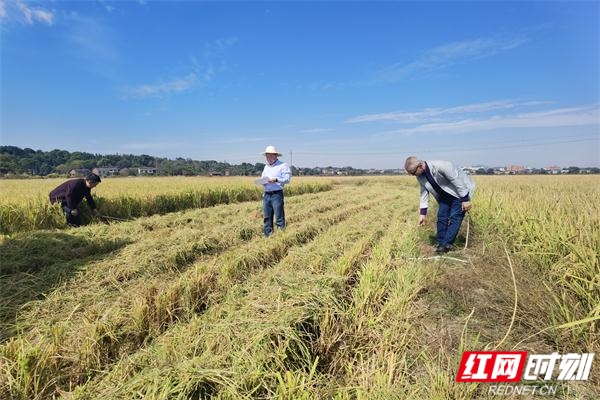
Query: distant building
[
  {"x": 106, "y": 171},
  {"x": 516, "y": 169},
  {"x": 474, "y": 168},
  {"x": 146, "y": 171},
  {"x": 553, "y": 169},
  {"x": 328, "y": 171},
  {"x": 78, "y": 172}
]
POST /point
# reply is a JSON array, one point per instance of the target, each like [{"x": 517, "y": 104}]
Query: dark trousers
[
  {"x": 450, "y": 216},
  {"x": 273, "y": 207},
  {"x": 72, "y": 220}
]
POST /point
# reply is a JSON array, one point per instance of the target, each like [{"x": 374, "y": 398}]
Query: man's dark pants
[
  {"x": 450, "y": 216},
  {"x": 72, "y": 220}
]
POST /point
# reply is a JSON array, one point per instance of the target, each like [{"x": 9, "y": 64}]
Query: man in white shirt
[
  {"x": 276, "y": 174},
  {"x": 453, "y": 191}
]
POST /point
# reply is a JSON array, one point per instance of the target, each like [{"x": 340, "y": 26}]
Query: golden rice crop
[
  {"x": 24, "y": 204},
  {"x": 552, "y": 225},
  {"x": 347, "y": 303}
]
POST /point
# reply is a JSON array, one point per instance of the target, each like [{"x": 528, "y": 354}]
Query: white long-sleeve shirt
[{"x": 279, "y": 170}]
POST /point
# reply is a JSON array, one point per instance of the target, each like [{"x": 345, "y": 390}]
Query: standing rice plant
[
  {"x": 122, "y": 198},
  {"x": 551, "y": 225}
]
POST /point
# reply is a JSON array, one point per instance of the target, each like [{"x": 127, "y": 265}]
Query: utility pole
[{"x": 291, "y": 159}]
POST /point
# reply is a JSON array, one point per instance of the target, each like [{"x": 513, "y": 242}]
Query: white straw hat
[{"x": 271, "y": 150}]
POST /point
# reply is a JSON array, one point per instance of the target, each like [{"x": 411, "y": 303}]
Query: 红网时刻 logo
[{"x": 512, "y": 366}]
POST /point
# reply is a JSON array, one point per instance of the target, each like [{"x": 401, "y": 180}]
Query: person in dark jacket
[{"x": 72, "y": 192}]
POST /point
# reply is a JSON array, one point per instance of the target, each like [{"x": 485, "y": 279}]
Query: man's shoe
[
  {"x": 449, "y": 247},
  {"x": 440, "y": 249}
]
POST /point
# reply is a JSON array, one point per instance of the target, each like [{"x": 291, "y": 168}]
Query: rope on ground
[
  {"x": 463, "y": 334},
  {"x": 467, "y": 236},
  {"x": 512, "y": 320},
  {"x": 115, "y": 218},
  {"x": 437, "y": 258}
]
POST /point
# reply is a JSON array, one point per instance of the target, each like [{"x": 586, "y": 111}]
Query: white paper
[{"x": 262, "y": 181}]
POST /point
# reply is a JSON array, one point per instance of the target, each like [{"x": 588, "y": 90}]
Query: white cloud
[
  {"x": 176, "y": 85},
  {"x": 108, "y": 5},
  {"x": 447, "y": 55},
  {"x": 429, "y": 114},
  {"x": 224, "y": 43},
  {"x": 35, "y": 14},
  {"x": 316, "y": 130},
  {"x": 201, "y": 73},
  {"x": 573, "y": 116},
  {"x": 92, "y": 40},
  {"x": 26, "y": 14},
  {"x": 433, "y": 59}
]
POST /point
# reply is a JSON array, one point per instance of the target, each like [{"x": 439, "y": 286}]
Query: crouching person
[{"x": 71, "y": 193}]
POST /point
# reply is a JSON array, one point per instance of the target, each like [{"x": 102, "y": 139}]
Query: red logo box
[{"x": 491, "y": 366}]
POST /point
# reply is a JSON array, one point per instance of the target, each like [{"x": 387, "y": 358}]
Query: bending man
[
  {"x": 452, "y": 189},
  {"x": 71, "y": 193}
]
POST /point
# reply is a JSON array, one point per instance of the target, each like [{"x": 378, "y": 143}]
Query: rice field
[
  {"x": 191, "y": 302},
  {"x": 24, "y": 205}
]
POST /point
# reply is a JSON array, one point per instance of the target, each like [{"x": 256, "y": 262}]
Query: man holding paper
[{"x": 275, "y": 175}]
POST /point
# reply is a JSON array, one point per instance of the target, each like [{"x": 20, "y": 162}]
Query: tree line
[{"x": 17, "y": 161}]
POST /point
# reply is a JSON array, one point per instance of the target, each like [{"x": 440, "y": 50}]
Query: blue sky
[{"x": 364, "y": 84}]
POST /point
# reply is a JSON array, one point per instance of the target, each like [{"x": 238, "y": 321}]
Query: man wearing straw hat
[
  {"x": 275, "y": 175},
  {"x": 453, "y": 191}
]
